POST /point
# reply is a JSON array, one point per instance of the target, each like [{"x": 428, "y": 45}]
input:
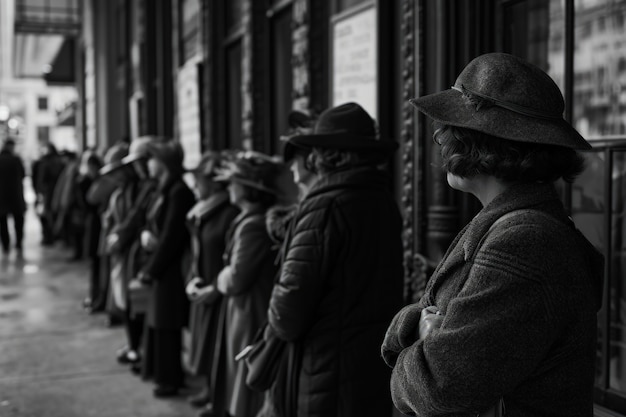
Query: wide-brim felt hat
[
  {"x": 253, "y": 169},
  {"x": 504, "y": 96},
  {"x": 170, "y": 153},
  {"x": 113, "y": 158},
  {"x": 347, "y": 127}
]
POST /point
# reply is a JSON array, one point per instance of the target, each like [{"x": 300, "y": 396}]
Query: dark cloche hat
[
  {"x": 347, "y": 126},
  {"x": 504, "y": 96}
]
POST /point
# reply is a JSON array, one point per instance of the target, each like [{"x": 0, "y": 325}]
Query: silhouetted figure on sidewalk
[
  {"x": 11, "y": 196},
  {"x": 45, "y": 173}
]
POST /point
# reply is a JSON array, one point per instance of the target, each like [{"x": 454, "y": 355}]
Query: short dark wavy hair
[{"x": 467, "y": 153}]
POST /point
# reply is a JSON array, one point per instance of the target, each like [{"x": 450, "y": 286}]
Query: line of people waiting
[{"x": 317, "y": 266}]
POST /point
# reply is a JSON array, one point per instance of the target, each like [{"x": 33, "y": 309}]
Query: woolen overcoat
[
  {"x": 519, "y": 303},
  {"x": 11, "y": 188},
  {"x": 208, "y": 222},
  {"x": 248, "y": 278},
  {"x": 340, "y": 285},
  {"x": 166, "y": 219}
]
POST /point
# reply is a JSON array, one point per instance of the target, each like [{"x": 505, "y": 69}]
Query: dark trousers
[
  {"x": 134, "y": 329},
  {"x": 18, "y": 223},
  {"x": 162, "y": 356}
]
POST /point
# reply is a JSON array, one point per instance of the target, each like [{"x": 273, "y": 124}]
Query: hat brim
[
  {"x": 290, "y": 150},
  {"x": 110, "y": 168},
  {"x": 450, "y": 107},
  {"x": 343, "y": 141},
  {"x": 243, "y": 181}
]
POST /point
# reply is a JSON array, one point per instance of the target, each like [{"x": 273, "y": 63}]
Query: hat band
[{"x": 480, "y": 100}]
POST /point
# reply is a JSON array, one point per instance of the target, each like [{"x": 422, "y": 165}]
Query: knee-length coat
[
  {"x": 248, "y": 278},
  {"x": 166, "y": 219},
  {"x": 208, "y": 222}
]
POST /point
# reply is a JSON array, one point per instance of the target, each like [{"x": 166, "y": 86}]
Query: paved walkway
[{"x": 55, "y": 360}]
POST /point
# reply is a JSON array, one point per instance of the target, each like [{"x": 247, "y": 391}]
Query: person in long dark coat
[
  {"x": 167, "y": 240},
  {"x": 45, "y": 174},
  {"x": 208, "y": 222},
  {"x": 341, "y": 279},
  {"x": 11, "y": 196},
  {"x": 246, "y": 281}
]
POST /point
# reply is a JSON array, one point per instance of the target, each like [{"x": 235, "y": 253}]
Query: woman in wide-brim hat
[
  {"x": 246, "y": 280},
  {"x": 342, "y": 256},
  {"x": 166, "y": 240},
  {"x": 509, "y": 315},
  {"x": 208, "y": 222}
]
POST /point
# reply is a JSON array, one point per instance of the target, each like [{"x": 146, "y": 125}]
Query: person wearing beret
[
  {"x": 341, "y": 278},
  {"x": 166, "y": 239},
  {"x": 508, "y": 318}
]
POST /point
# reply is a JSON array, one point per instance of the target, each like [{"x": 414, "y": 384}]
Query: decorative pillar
[{"x": 300, "y": 59}]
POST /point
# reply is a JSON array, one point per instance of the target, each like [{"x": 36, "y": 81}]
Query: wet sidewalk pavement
[{"x": 56, "y": 360}]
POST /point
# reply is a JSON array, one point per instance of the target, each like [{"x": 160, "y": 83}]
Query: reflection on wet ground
[{"x": 55, "y": 360}]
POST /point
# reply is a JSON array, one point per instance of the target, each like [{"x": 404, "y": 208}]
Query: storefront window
[
  {"x": 189, "y": 29},
  {"x": 233, "y": 82},
  {"x": 281, "y": 74},
  {"x": 535, "y": 31},
  {"x": 617, "y": 272},
  {"x": 234, "y": 14},
  {"x": 600, "y": 68},
  {"x": 342, "y": 5}
]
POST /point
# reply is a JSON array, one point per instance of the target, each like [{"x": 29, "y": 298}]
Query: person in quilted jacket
[{"x": 341, "y": 279}]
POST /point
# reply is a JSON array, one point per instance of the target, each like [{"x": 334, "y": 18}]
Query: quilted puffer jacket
[{"x": 340, "y": 285}]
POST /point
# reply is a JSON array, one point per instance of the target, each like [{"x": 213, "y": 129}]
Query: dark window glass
[
  {"x": 234, "y": 105},
  {"x": 588, "y": 212},
  {"x": 534, "y": 30},
  {"x": 42, "y": 103},
  {"x": 342, "y": 5},
  {"x": 599, "y": 100},
  {"x": 617, "y": 272},
  {"x": 234, "y": 14},
  {"x": 281, "y": 72}
]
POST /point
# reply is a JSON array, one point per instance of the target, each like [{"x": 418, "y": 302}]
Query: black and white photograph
[{"x": 312, "y": 208}]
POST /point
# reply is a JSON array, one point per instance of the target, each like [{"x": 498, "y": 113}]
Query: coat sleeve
[
  {"x": 173, "y": 236},
  {"x": 251, "y": 248},
  {"x": 483, "y": 347},
  {"x": 309, "y": 257}
]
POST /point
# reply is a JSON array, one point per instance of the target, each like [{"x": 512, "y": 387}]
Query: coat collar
[
  {"x": 542, "y": 196},
  {"x": 361, "y": 177}
]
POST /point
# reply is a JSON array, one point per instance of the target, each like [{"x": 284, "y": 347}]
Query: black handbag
[{"x": 263, "y": 359}]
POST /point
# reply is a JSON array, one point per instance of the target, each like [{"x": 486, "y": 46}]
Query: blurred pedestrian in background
[
  {"x": 208, "y": 222},
  {"x": 45, "y": 174},
  {"x": 342, "y": 277},
  {"x": 166, "y": 238},
  {"x": 12, "y": 204}
]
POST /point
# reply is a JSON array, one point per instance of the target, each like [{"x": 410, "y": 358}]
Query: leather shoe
[
  {"x": 200, "y": 399},
  {"x": 165, "y": 391}
]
